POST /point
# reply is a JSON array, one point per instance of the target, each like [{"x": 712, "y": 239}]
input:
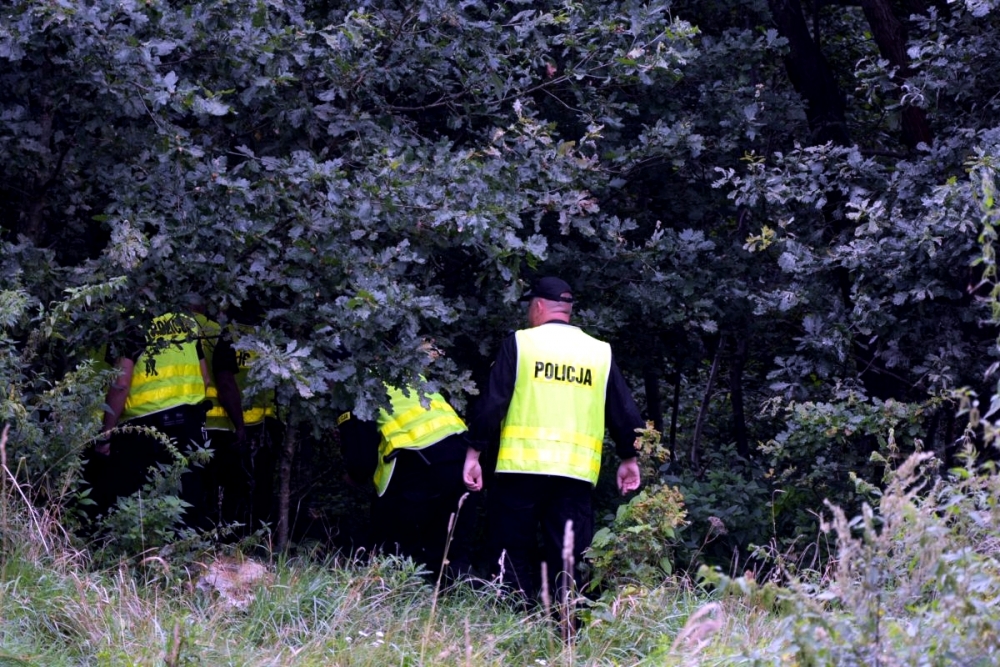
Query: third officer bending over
[
  {"x": 550, "y": 392},
  {"x": 414, "y": 455},
  {"x": 246, "y": 470}
]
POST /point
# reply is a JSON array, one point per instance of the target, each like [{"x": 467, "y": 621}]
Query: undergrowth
[{"x": 914, "y": 582}]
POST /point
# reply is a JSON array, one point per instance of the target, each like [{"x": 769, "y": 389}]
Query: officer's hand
[
  {"x": 103, "y": 445},
  {"x": 628, "y": 475},
  {"x": 472, "y": 472}
]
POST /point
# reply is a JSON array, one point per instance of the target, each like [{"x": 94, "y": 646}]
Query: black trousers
[
  {"x": 126, "y": 469},
  {"x": 521, "y": 507},
  {"x": 241, "y": 478},
  {"x": 412, "y": 517}
]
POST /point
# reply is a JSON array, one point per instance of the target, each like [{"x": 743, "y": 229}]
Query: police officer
[
  {"x": 414, "y": 455},
  {"x": 550, "y": 393},
  {"x": 247, "y": 420},
  {"x": 161, "y": 385}
]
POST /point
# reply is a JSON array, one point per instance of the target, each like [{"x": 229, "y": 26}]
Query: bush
[
  {"x": 824, "y": 445},
  {"x": 913, "y": 582},
  {"x": 728, "y": 507},
  {"x": 52, "y": 400},
  {"x": 638, "y": 547}
]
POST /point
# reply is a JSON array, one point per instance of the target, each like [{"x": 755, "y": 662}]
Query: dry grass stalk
[
  {"x": 566, "y": 590},
  {"x": 172, "y": 658},
  {"x": 468, "y": 643},
  {"x": 546, "y": 594},
  {"x": 43, "y": 524},
  {"x": 452, "y": 522},
  {"x": 699, "y": 629}
]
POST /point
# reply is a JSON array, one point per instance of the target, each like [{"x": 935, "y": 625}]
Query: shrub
[
  {"x": 638, "y": 547},
  {"x": 728, "y": 508},
  {"x": 913, "y": 582}
]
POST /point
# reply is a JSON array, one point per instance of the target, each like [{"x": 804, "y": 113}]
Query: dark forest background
[{"x": 779, "y": 213}]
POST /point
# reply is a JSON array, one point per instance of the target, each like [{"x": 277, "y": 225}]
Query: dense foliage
[{"x": 771, "y": 214}]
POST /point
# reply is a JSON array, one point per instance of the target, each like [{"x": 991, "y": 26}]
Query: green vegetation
[
  {"x": 913, "y": 583},
  {"x": 782, "y": 215},
  {"x": 771, "y": 211}
]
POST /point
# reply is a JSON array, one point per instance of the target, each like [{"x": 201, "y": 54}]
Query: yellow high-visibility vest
[
  {"x": 411, "y": 426},
  {"x": 555, "y": 422},
  {"x": 256, "y": 407},
  {"x": 176, "y": 377}
]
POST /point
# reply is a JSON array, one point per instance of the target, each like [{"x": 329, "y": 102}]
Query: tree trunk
[
  {"x": 736, "y": 397},
  {"x": 890, "y": 36},
  {"x": 675, "y": 406},
  {"x": 285, "y": 485},
  {"x": 695, "y": 455},
  {"x": 930, "y": 443},
  {"x": 950, "y": 444},
  {"x": 809, "y": 73}
]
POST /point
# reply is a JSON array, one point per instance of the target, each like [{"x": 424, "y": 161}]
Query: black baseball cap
[{"x": 549, "y": 288}]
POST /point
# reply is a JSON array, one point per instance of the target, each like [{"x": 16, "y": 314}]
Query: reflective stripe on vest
[
  {"x": 411, "y": 426},
  {"x": 176, "y": 378},
  {"x": 217, "y": 419},
  {"x": 555, "y": 422}
]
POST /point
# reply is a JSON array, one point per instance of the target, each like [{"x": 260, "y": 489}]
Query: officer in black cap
[{"x": 551, "y": 392}]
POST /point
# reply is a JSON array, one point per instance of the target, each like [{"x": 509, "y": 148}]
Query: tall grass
[
  {"x": 57, "y": 608},
  {"x": 915, "y": 583}
]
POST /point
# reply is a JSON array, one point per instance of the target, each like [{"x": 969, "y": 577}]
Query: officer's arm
[
  {"x": 622, "y": 414},
  {"x": 229, "y": 399},
  {"x": 116, "y": 397},
  {"x": 224, "y": 368},
  {"x": 490, "y": 410},
  {"x": 492, "y": 405},
  {"x": 623, "y": 417},
  {"x": 206, "y": 377}
]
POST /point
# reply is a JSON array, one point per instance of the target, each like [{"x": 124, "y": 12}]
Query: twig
[
  {"x": 31, "y": 510},
  {"x": 566, "y": 592},
  {"x": 452, "y": 521}
]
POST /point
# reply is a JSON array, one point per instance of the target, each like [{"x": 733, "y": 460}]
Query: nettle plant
[
  {"x": 51, "y": 402},
  {"x": 638, "y": 547}
]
